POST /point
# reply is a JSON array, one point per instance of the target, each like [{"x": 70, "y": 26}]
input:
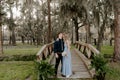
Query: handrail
[
  {"x": 87, "y": 49},
  {"x": 45, "y": 52}
]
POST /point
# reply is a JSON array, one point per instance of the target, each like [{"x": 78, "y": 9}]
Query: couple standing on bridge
[{"x": 63, "y": 54}]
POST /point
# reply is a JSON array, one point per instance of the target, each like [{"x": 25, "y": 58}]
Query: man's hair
[{"x": 58, "y": 33}]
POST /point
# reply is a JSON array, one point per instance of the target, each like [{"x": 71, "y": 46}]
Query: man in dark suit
[{"x": 58, "y": 49}]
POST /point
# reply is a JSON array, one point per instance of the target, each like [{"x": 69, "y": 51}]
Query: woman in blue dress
[{"x": 67, "y": 65}]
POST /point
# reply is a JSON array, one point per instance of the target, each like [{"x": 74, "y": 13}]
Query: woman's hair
[{"x": 65, "y": 36}]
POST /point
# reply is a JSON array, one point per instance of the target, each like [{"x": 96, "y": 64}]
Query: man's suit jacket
[{"x": 59, "y": 46}]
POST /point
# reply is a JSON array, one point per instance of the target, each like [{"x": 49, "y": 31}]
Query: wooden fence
[{"x": 46, "y": 52}]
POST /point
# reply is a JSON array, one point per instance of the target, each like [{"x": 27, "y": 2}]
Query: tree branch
[{"x": 81, "y": 25}]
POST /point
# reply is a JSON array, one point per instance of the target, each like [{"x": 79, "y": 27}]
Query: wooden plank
[
  {"x": 77, "y": 75},
  {"x": 86, "y": 62}
]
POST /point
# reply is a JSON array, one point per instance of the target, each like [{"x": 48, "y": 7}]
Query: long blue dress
[{"x": 67, "y": 65}]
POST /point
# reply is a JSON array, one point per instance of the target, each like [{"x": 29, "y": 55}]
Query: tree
[
  {"x": 77, "y": 11},
  {"x": 10, "y": 22},
  {"x": 28, "y": 23},
  {"x": 117, "y": 30},
  {"x": 1, "y": 15},
  {"x": 102, "y": 11},
  {"x": 1, "y": 43}
]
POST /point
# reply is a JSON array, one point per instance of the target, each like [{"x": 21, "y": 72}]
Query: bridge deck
[{"x": 79, "y": 69}]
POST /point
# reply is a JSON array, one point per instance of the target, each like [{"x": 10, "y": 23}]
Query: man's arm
[{"x": 55, "y": 49}]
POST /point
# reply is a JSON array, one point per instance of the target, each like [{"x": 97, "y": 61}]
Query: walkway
[{"x": 78, "y": 67}]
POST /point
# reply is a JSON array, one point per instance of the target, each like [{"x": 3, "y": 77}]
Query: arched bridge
[{"x": 81, "y": 53}]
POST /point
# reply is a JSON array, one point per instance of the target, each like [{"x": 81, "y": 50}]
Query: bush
[
  {"x": 18, "y": 57},
  {"x": 44, "y": 70},
  {"x": 100, "y": 64}
]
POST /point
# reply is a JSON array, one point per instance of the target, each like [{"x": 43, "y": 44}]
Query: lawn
[
  {"x": 17, "y": 70},
  {"x": 21, "y": 49},
  {"x": 107, "y": 49},
  {"x": 115, "y": 66}
]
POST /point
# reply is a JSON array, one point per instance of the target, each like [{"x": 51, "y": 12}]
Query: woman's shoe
[{"x": 67, "y": 76}]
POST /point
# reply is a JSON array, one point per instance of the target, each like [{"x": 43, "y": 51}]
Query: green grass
[
  {"x": 17, "y": 70},
  {"x": 115, "y": 75},
  {"x": 107, "y": 49},
  {"x": 115, "y": 67},
  {"x": 21, "y": 49}
]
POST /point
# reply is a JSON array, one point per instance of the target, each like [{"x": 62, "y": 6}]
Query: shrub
[
  {"x": 44, "y": 70},
  {"x": 100, "y": 64},
  {"x": 18, "y": 57}
]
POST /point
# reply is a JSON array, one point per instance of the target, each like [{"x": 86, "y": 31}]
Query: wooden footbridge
[{"x": 81, "y": 59}]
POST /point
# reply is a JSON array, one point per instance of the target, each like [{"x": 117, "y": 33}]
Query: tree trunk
[
  {"x": 12, "y": 27},
  {"x": 38, "y": 40},
  {"x": 23, "y": 39},
  {"x": 33, "y": 41},
  {"x": 76, "y": 33},
  {"x": 117, "y": 30},
  {"x": 99, "y": 43},
  {"x": 1, "y": 43},
  {"x": 101, "y": 33},
  {"x": 76, "y": 28},
  {"x": 95, "y": 42},
  {"x": 49, "y": 22},
  {"x": 28, "y": 40},
  {"x": 100, "y": 36},
  {"x": 72, "y": 35},
  {"x": 111, "y": 41},
  {"x": 10, "y": 39},
  {"x": 1, "y": 46},
  {"x": 13, "y": 37},
  {"x": 88, "y": 34}
]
